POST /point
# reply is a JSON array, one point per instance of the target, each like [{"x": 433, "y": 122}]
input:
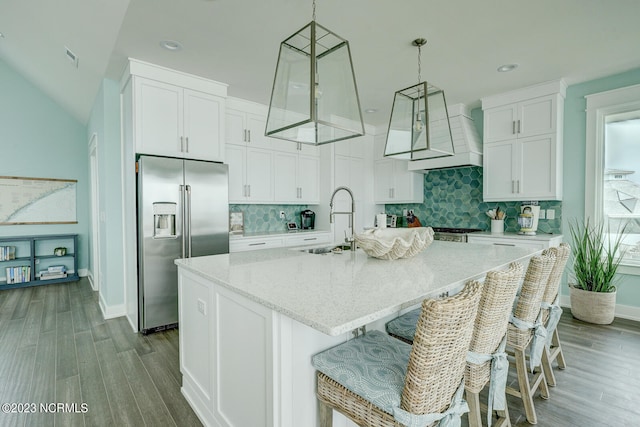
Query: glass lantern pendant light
[
  {"x": 419, "y": 125},
  {"x": 314, "y": 98}
]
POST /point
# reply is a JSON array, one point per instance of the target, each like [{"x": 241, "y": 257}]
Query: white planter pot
[{"x": 592, "y": 307}]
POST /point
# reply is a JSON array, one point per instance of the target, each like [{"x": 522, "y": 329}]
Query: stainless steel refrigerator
[{"x": 183, "y": 211}]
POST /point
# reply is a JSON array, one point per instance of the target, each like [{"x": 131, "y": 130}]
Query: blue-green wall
[
  {"x": 575, "y": 121},
  {"x": 105, "y": 123},
  {"x": 38, "y": 138}
]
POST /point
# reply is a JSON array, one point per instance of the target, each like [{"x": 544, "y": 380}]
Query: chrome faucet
[{"x": 351, "y": 214}]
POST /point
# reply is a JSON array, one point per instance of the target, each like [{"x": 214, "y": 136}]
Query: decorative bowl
[{"x": 394, "y": 243}]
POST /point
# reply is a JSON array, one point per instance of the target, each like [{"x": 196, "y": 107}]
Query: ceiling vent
[{"x": 71, "y": 56}]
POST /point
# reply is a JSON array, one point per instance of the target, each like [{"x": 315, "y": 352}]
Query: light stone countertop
[{"x": 336, "y": 293}]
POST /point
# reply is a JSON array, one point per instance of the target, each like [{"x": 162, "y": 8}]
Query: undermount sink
[{"x": 326, "y": 249}]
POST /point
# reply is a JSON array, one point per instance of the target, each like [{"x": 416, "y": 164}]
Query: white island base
[{"x": 250, "y": 323}]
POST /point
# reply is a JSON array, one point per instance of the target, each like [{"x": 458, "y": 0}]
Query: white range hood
[{"x": 466, "y": 143}]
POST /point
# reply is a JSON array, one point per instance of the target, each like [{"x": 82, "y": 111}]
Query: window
[{"x": 612, "y": 179}]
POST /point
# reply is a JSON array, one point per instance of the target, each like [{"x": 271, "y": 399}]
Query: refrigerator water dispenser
[{"x": 164, "y": 220}]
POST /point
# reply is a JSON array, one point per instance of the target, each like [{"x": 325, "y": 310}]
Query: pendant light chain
[{"x": 314, "y": 11}]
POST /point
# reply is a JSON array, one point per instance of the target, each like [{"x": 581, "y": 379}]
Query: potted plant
[{"x": 596, "y": 257}]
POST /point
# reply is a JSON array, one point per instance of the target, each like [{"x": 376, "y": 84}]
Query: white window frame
[{"x": 599, "y": 106}]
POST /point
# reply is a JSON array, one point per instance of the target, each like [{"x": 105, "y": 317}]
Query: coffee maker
[
  {"x": 528, "y": 218},
  {"x": 307, "y": 219}
]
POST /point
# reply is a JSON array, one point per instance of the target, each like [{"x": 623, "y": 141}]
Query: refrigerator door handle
[
  {"x": 188, "y": 220},
  {"x": 184, "y": 231}
]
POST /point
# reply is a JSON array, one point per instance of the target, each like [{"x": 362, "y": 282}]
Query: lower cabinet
[
  {"x": 538, "y": 242},
  {"x": 244, "y": 364},
  {"x": 242, "y": 244}
]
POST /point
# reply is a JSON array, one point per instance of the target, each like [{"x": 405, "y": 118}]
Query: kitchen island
[{"x": 250, "y": 322}]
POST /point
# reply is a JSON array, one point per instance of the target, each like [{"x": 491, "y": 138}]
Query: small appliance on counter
[
  {"x": 391, "y": 221},
  {"x": 528, "y": 218},
  {"x": 307, "y": 219}
]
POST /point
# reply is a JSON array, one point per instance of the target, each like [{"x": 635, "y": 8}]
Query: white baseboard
[
  {"x": 622, "y": 311},
  {"x": 113, "y": 311},
  {"x": 83, "y": 272}
]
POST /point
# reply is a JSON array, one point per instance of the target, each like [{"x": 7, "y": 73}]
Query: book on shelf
[
  {"x": 7, "y": 253},
  {"x": 57, "y": 269},
  {"x": 19, "y": 274},
  {"x": 48, "y": 275}
]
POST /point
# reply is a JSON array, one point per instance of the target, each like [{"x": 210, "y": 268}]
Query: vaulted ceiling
[{"x": 237, "y": 42}]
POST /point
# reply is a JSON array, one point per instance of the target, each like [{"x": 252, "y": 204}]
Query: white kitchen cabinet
[
  {"x": 302, "y": 238},
  {"x": 296, "y": 178},
  {"x": 250, "y": 174},
  {"x": 538, "y": 242},
  {"x": 393, "y": 183},
  {"x": 245, "y": 124},
  {"x": 174, "y": 121},
  {"x": 522, "y": 157}
]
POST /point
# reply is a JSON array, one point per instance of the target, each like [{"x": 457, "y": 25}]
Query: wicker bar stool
[
  {"x": 526, "y": 332},
  {"x": 376, "y": 380},
  {"x": 487, "y": 360},
  {"x": 551, "y": 313}
]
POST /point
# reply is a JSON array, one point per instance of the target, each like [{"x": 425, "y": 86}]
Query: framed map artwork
[{"x": 37, "y": 201}]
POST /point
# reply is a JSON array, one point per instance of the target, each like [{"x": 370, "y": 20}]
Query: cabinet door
[
  {"x": 235, "y": 157},
  {"x": 158, "y": 118},
  {"x": 285, "y": 185},
  {"x": 203, "y": 125},
  {"x": 408, "y": 186},
  {"x": 259, "y": 167},
  {"x": 537, "y": 116},
  {"x": 309, "y": 179},
  {"x": 256, "y": 125},
  {"x": 498, "y": 171},
  {"x": 235, "y": 130},
  {"x": 383, "y": 181},
  {"x": 500, "y": 122},
  {"x": 538, "y": 168}
]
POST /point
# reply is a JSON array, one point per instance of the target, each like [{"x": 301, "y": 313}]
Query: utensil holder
[{"x": 497, "y": 226}]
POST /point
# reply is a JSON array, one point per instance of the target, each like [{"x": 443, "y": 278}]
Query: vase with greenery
[{"x": 596, "y": 258}]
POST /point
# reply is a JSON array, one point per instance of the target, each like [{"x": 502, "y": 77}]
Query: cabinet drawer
[
  {"x": 514, "y": 242},
  {"x": 308, "y": 239},
  {"x": 255, "y": 244}
]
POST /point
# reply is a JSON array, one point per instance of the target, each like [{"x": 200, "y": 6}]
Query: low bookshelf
[{"x": 38, "y": 260}]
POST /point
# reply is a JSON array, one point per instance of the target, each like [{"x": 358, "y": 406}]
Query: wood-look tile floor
[{"x": 55, "y": 347}]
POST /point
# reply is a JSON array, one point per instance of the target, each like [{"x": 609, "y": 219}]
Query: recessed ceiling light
[
  {"x": 371, "y": 110},
  {"x": 1, "y": 35},
  {"x": 171, "y": 45},
  {"x": 507, "y": 67}
]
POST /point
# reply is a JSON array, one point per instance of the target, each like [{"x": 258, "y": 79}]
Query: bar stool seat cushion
[
  {"x": 404, "y": 326},
  {"x": 373, "y": 366}
]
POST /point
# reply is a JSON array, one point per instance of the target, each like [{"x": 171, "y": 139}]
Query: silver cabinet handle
[
  {"x": 518, "y": 186},
  {"x": 519, "y": 131},
  {"x": 182, "y": 144},
  {"x": 257, "y": 244},
  {"x": 311, "y": 238},
  {"x": 244, "y": 135},
  {"x": 249, "y": 190},
  {"x": 184, "y": 231},
  {"x": 504, "y": 244},
  {"x": 249, "y": 135},
  {"x": 513, "y": 127},
  {"x": 188, "y": 220},
  {"x": 186, "y": 144}
]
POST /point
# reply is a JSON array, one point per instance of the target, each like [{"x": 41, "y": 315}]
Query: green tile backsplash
[
  {"x": 453, "y": 198},
  {"x": 259, "y": 218}
]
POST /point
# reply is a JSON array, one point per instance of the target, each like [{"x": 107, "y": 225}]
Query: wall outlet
[
  {"x": 202, "y": 307},
  {"x": 551, "y": 214},
  {"x": 282, "y": 215},
  {"x": 542, "y": 214}
]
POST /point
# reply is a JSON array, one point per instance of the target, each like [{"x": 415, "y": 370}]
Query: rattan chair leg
[
  {"x": 546, "y": 366},
  {"x": 524, "y": 386},
  {"x": 474, "y": 414},
  {"x": 325, "y": 413},
  {"x": 556, "y": 350}
]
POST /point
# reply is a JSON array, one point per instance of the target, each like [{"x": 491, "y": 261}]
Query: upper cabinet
[
  {"x": 263, "y": 169},
  {"x": 175, "y": 114},
  {"x": 522, "y": 157},
  {"x": 392, "y": 181}
]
